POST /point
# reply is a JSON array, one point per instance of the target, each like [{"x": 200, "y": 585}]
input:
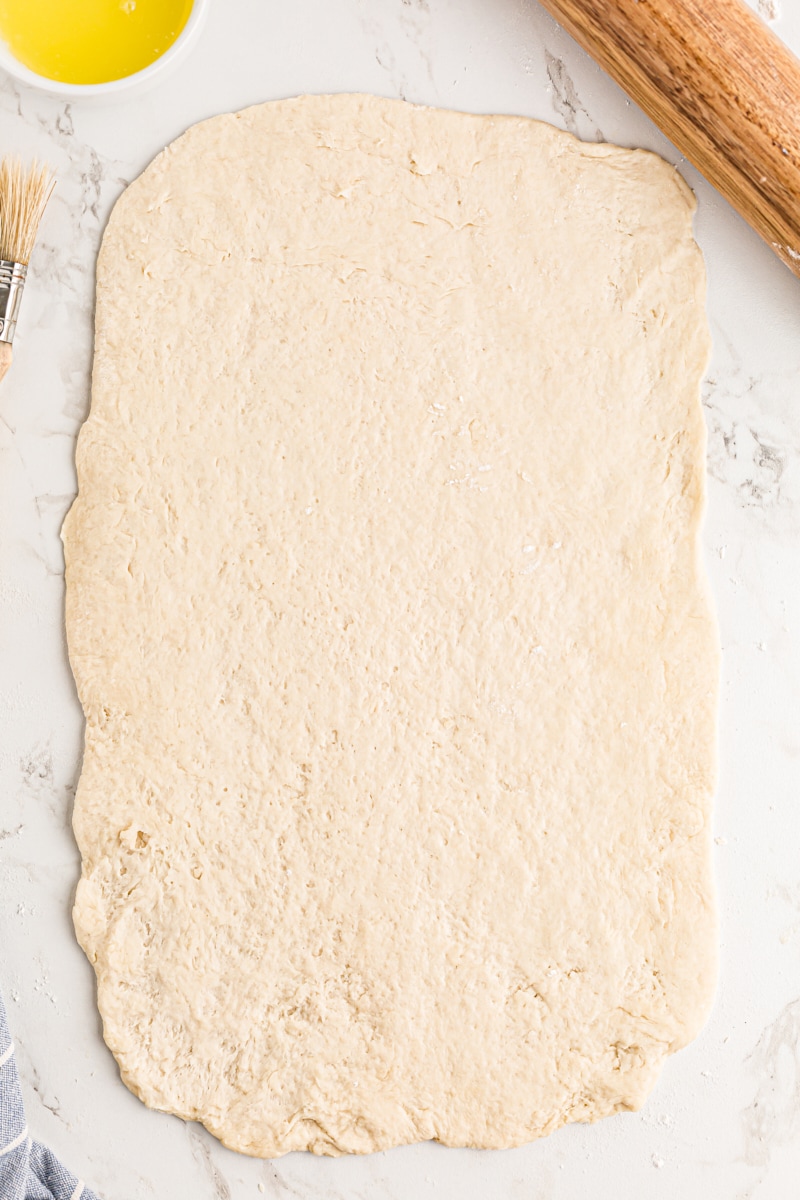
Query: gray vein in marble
[
  {"x": 94, "y": 168},
  {"x": 42, "y": 543},
  {"x": 739, "y": 456},
  {"x": 384, "y": 57},
  {"x": 278, "y": 1188},
  {"x": 49, "y": 510},
  {"x": 773, "y": 1117},
  {"x": 40, "y": 789},
  {"x": 412, "y": 21},
  {"x": 754, "y": 441},
  {"x": 201, "y": 1152},
  {"x": 10, "y": 92},
  {"x": 30, "y": 1076},
  {"x": 566, "y": 101},
  {"x": 768, "y": 9}
]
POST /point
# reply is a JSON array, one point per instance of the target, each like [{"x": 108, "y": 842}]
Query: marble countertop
[{"x": 724, "y": 1121}]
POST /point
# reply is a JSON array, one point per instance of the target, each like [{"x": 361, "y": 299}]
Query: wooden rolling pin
[{"x": 720, "y": 85}]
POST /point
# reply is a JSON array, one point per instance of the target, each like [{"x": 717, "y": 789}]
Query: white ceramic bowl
[{"x": 148, "y": 74}]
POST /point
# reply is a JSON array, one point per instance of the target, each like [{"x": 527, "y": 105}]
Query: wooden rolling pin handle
[
  {"x": 5, "y": 358},
  {"x": 720, "y": 85}
]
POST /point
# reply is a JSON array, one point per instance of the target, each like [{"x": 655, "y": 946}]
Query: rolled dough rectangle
[{"x": 385, "y": 611}]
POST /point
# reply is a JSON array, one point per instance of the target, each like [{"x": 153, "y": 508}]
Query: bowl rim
[{"x": 11, "y": 64}]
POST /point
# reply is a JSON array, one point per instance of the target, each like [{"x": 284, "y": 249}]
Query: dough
[{"x": 386, "y": 614}]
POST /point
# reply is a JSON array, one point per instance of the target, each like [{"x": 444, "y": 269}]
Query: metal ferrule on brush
[{"x": 12, "y": 281}]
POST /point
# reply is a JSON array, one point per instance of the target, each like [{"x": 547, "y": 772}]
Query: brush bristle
[{"x": 23, "y": 197}]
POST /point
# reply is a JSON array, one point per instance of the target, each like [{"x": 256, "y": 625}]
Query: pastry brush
[
  {"x": 23, "y": 196},
  {"x": 719, "y": 83}
]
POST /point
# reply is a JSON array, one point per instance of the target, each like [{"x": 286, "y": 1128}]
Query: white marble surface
[{"x": 724, "y": 1122}]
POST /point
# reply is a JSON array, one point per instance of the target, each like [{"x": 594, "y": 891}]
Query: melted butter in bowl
[{"x": 93, "y": 46}]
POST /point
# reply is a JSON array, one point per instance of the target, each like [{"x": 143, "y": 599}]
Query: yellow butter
[{"x": 90, "y": 41}]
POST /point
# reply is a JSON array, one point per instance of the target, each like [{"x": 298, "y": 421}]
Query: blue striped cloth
[{"x": 28, "y": 1170}]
